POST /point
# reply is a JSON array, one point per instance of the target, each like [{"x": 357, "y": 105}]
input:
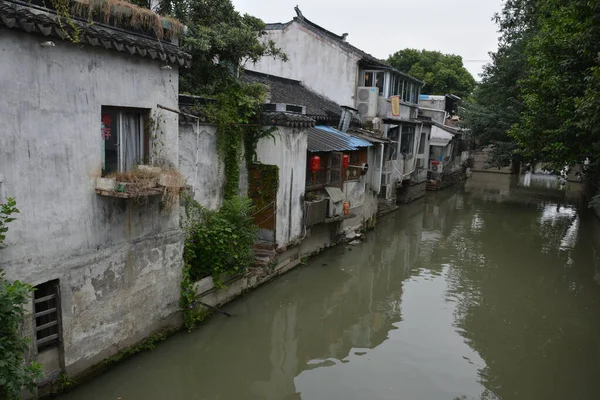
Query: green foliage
[
  {"x": 442, "y": 73},
  {"x": 15, "y": 373},
  {"x": 542, "y": 91},
  {"x": 64, "y": 383},
  {"x": 193, "y": 313},
  {"x": 219, "y": 242},
  {"x": 220, "y": 40},
  {"x": 237, "y": 114},
  {"x": 562, "y": 56},
  {"x": 6, "y": 215}
]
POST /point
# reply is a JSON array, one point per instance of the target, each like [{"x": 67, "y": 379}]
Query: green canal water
[{"x": 456, "y": 296}]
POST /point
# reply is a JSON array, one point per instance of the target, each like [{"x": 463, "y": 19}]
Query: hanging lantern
[
  {"x": 345, "y": 161},
  {"x": 315, "y": 163}
]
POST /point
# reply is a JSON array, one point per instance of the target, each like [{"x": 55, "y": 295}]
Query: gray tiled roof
[
  {"x": 289, "y": 91},
  {"x": 21, "y": 16}
]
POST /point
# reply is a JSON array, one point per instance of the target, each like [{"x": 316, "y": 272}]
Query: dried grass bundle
[{"x": 121, "y": 13}]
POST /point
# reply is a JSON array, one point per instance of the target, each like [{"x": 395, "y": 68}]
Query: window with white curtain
[{"x": 124, "y": 144}]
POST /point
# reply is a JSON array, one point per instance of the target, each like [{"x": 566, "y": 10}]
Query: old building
[
  {"x": 448, "y": 148},
  {"x": 106, "y": 268},
  {"x": 386, "y": 99}
]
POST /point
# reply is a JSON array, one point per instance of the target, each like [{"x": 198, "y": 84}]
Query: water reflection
[{"x": 461, "y": 295}]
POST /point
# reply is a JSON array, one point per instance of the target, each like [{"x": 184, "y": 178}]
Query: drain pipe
[
  {"x": 197, "y": 137},
  {"x": 381, "y": 167}
]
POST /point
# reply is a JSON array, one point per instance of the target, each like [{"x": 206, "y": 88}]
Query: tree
[
  {"x": 558, "y": 123},
  {"x": 542, "y": 90},
  {"x": 15, "y": 374},
  {"x": 220, "y": 40},
  {"x": 496, "y": 104},
  {"x": 442, "y": 73}
]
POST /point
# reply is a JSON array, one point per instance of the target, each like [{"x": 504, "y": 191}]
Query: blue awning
[{"x": 324, "y": 138}]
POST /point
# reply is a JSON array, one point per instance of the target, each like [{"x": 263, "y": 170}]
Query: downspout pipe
[
  {"x": 196, "y": 168},
  {"x": 381, "y": 167}
]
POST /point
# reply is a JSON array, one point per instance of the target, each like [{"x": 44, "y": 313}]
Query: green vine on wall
[
  {"x": 15, "y": 373},
  {"x": 238, "y": 115}
]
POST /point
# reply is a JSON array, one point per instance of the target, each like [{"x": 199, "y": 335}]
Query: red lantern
[
  {"x": 345, "y": 161},
  {"x": 315, "y": 163}
]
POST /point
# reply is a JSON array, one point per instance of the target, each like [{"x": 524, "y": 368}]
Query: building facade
[
  {"x": 106, "y": 269},
  {"x": 385, "y": 99}
]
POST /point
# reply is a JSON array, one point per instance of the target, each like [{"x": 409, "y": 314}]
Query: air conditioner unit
[
  {"x": 367, "y": 101},
  {"x": 437, "y": 167}
]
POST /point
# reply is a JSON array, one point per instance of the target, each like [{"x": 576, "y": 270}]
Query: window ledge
[{"x": 124, "y": 195}]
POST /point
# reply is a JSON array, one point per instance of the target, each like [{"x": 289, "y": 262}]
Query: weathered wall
[
  {"x": 438, "y": 116},
  {"x": 118, "y": 262},
  {"x": 480, "y": 162},
  {"x": 200, "y": 164},
  {"x": 288, "y": 152},
  {"x": 322, "y": 65}
]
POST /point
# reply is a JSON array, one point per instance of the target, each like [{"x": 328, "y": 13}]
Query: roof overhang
[
  {"x": 326, "y": 139},
  {"x": 440, "y": 137}
]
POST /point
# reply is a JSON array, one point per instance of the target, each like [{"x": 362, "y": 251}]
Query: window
[
  {"x": 124, "y": 141},
  {"x": 379, "y": 80},
  {"x": 374, "y": 79},
  {"x": 368, "y": 79},
  {"x": 315, "y": 180},
  {"x": 394, "y": 85},
  {"x": 46, "y": 305},
  {"x": 334, "y": 172},
  {"x": 405, "y": 90},
  {"x": 407, "y": 140},
  {"x": 422, "y": 143}
]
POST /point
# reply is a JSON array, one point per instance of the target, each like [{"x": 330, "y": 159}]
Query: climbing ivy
[
  {"x": 15, "y": 373},
  {"x": 237, "y": 114},
  {"x": 6, "y": 215}
]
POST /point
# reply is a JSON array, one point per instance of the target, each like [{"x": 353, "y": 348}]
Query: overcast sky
[{"x": 381, "y": 27}]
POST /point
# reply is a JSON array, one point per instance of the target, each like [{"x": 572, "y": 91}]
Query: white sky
[{"x": 381, "y": 27}]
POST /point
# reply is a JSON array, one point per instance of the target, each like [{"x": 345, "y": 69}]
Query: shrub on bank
[{"x": 219, "y": 242}]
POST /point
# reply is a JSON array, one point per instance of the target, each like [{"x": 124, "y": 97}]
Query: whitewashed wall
[
  {"x": 288, "y": 152},
  {"x": 321, "y": 64},
  {"x": 118, "y": 261}
]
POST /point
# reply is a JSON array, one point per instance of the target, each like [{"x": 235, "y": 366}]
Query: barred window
[{"x": 46, "y": 303}]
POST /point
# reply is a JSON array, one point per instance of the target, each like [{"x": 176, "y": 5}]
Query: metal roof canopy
[{"x": 324, "y": 138}]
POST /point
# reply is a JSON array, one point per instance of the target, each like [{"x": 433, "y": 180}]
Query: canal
[{"x": 456, "y": 296}]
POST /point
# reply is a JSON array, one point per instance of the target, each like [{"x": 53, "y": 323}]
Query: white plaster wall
[
  {"x": 118, "y": 261},
  {"x": 288, "y": 152},
  {"x": 320, "y": 63},
  {"x": 355, "y": 192},
  {"x": 50, "y": 145},
  {"x": 200, "y": 163}
]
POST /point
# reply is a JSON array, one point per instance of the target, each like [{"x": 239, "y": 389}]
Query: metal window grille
[{"x": 46, "y": 303}]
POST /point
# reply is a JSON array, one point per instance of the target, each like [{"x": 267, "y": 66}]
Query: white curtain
[{"x": 132, "y": 138}]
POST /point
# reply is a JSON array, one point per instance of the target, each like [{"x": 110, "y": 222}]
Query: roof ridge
[{"x": 282, "y": 78}]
